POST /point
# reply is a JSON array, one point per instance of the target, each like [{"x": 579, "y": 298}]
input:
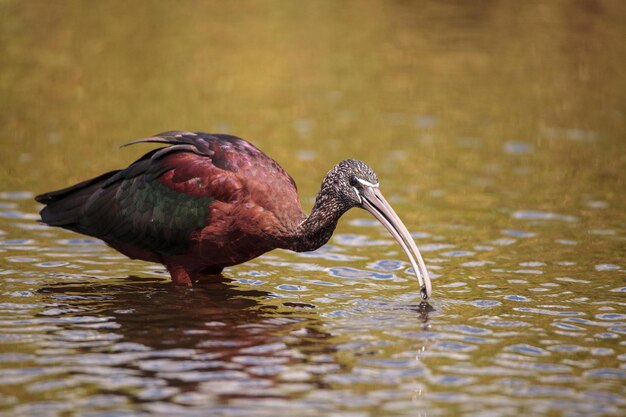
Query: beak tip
[{"x": 425, "y": 294}]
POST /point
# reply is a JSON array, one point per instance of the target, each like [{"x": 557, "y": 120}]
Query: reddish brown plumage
[
  {"x": 252, "y": 207},
  {"x": 256, "y": 208}
]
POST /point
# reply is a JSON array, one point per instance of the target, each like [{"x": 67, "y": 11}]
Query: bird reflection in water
[
  {"x": 183, "y": 336},
  {"x": 211, "y": 339}
]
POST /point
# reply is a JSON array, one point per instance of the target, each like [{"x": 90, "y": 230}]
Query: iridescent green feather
[{"x": 147, "y": 215}]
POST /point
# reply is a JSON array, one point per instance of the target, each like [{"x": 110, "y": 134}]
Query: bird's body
[{"x": 205, "y": 202}]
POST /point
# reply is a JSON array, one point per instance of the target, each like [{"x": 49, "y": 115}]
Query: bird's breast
[{"x": 236, "y": 233}]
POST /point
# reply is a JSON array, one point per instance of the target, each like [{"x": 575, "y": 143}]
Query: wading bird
[{"x": 207, "y": 201}]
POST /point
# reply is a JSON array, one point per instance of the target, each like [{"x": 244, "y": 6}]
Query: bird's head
[
  {"x": 346, "y": 182},
  {"x": 352, "y": 183}
]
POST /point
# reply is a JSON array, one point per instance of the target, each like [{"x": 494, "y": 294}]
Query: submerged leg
[{"x": 179, "y": 274}]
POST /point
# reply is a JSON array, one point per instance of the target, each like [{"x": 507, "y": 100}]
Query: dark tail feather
[{"x": 63, "y": 207}]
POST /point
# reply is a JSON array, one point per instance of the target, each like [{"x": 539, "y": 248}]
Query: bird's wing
[
  {"x": 160, "y": 199},
  {"x": 268, "y": 185}
]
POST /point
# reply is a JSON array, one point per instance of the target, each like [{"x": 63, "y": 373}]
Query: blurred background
[
  {"x": 498, "y": 131},
  {"x": 402, "y": 85}
]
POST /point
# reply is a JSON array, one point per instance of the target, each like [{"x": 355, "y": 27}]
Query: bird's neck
[{"x": 317, "y": 229}]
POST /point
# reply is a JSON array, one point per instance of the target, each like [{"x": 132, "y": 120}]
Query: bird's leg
[{"x": 179, "y": 274}]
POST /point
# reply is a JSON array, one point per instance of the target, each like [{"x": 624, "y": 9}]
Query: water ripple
[
  {"x": 609, "y": 373},
  {"x": 485, "y": 303},
  {"x": 16, "y": 195},
  {"x": 518, "y": 233},
  {"x": 542, "y": 215},
  {"x": 354, "y": 273},
  {"x": 548, "y": 312},
  {"x": 519, "y": 298},
  {"x": 387, "y": 265},
  {"x": 358, "y": 240},
  {"x": 527, "y": 350},
  {"x": 607, "y": 267}
]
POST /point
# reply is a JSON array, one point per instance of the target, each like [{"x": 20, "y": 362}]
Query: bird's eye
[{"x": 353, "y": 181}]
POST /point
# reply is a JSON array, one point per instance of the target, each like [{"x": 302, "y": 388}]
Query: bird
[{"x": 202, "y": 202}]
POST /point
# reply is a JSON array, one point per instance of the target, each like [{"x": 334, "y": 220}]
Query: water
[{"x": 498, "y": 135}]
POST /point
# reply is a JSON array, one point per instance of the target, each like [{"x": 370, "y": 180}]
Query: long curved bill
[{"x": 374, "y": 202}]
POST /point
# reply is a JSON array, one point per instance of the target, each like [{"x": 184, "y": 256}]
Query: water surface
[{"x": 497, "y": 131}]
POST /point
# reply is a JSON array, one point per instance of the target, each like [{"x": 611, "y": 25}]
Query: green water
[{"x": 498, "y": 131}]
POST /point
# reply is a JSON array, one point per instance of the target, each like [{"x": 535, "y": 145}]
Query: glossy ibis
[{"x": 207, "y": 201}]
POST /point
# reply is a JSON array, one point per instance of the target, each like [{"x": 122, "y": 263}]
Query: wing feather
[{"x": 161, "y": 199}]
